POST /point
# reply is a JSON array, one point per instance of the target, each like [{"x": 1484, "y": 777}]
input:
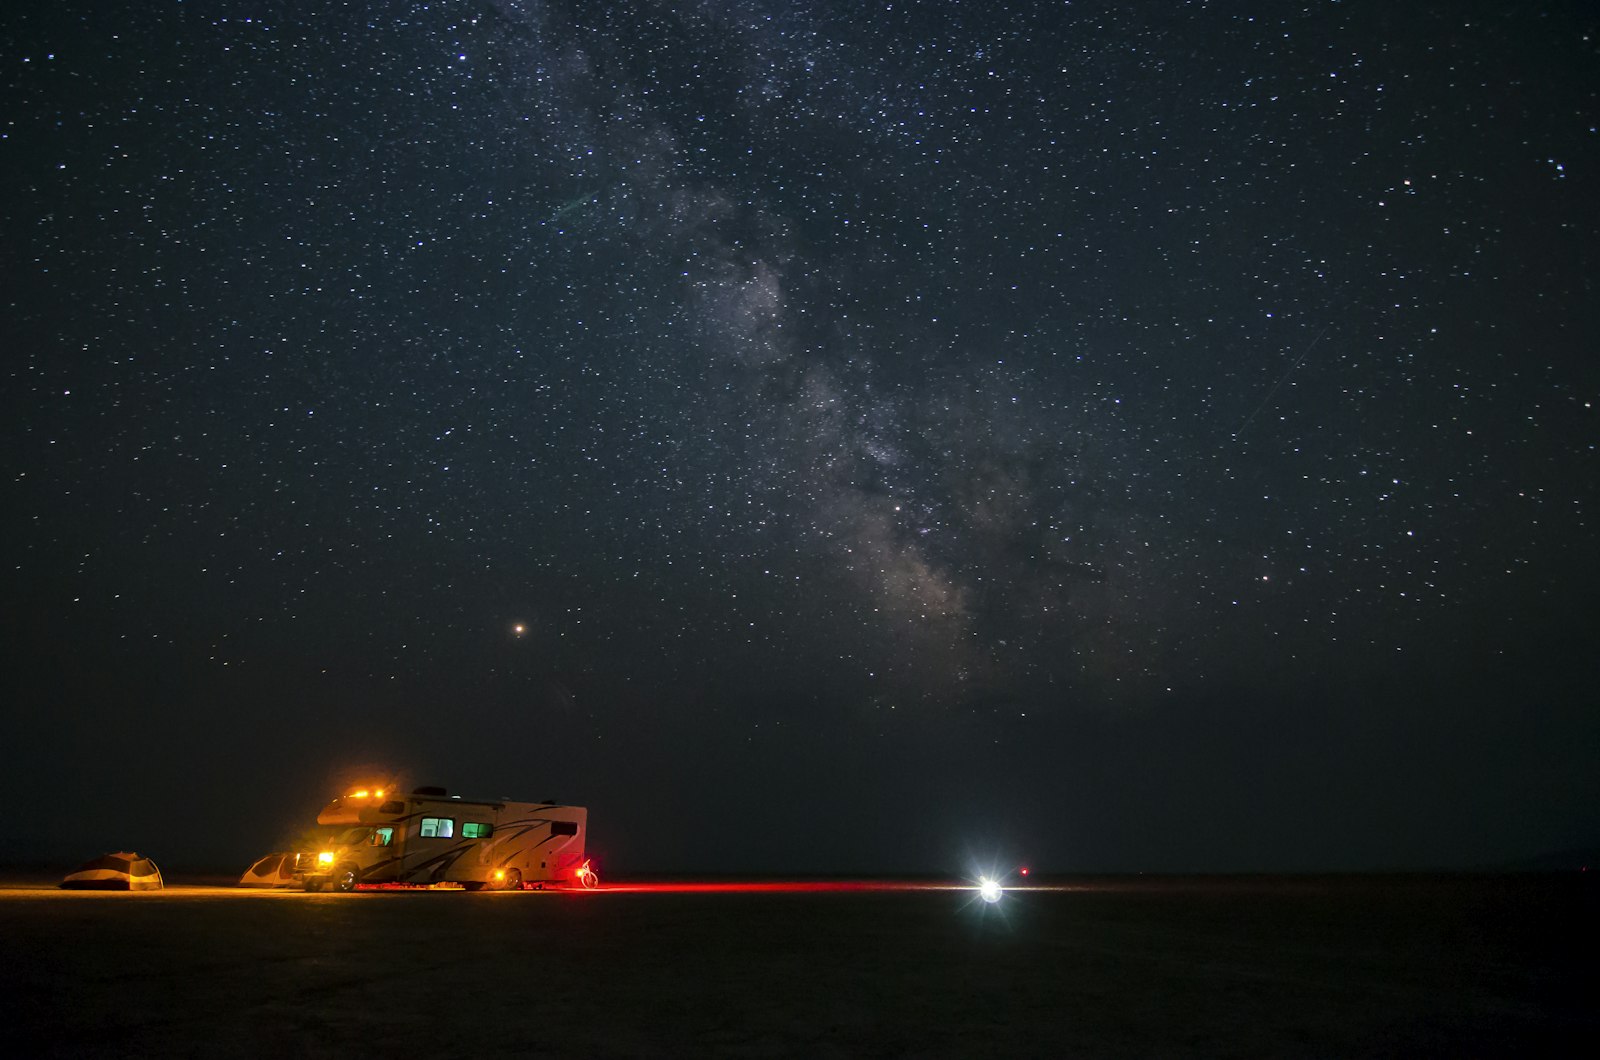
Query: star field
[{"x": 1047, "y": 404}]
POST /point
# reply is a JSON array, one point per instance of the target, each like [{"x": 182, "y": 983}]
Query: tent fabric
[{"x": 125, "y": 871}]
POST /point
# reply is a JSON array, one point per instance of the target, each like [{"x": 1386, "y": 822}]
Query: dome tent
[
  {"x": 125, "y": 871},
  {"x": 275, "y": 870}
]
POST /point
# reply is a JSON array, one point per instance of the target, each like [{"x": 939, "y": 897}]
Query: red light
[
  {"x": 780, "y": 886},
  {"x": 1023, "y": 870}
]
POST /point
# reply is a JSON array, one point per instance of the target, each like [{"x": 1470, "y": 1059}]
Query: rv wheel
[
  {"x": 345, "y": 879},
  {"x": 513, "y": 879}
]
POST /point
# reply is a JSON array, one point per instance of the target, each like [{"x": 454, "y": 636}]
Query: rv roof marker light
[{"x": 989, "y": 890}]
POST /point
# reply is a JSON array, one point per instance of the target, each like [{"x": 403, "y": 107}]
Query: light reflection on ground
[{"x": 38, "y": 888}]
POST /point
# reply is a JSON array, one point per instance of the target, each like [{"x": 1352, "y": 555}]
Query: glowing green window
[
  {"x": 476, "y": 830},
  {"x": 437, "y": 827},
  {"x": 382, "y": 837}
]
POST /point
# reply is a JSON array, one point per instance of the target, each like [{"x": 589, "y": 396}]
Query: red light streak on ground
[{"x": 775, "y": 886}]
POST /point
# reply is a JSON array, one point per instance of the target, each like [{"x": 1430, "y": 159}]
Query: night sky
[{"x": 817, "y": 436}]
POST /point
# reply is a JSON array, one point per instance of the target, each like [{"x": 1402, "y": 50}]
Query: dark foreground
[{"x": 1272, "y": 967}]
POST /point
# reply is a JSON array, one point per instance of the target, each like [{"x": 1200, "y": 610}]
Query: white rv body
[{"x": 429, "y": 837}]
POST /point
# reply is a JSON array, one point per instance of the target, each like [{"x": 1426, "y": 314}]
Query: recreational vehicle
[{"x": 430, "y": 837}]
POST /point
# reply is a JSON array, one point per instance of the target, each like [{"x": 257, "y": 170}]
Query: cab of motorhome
[{"x": 431, "y": 837}]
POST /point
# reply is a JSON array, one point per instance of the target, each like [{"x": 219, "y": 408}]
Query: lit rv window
[
  {"x": 382, "y": 837},
  {"x": 563, "y": 827},
  {"x": 438, "y": 827},
  {"x": 474, "y": 830}
]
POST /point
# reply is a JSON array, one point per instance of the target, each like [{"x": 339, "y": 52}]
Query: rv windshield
[{"x": 351, "y": 836}]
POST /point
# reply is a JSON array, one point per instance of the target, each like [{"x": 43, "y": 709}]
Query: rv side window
[
  {"x": 563, "y": 827},
  {"x": 382, "y": 837},
  {"x": 438, "y": 827},
  {"x": 392, "y": 806},
  {"x": 475, "y": 830}
]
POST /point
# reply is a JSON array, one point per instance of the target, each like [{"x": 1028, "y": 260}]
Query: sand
[{"x": 1244, "y": 967}]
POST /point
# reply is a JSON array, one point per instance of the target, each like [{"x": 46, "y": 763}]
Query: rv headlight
[{"x": 325, "y": 858}]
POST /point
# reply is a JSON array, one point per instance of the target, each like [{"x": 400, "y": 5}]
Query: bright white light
[{"x": 988, "y": 890}]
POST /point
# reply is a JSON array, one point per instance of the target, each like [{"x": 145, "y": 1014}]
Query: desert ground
[{"x": 1338, "y": 966}]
